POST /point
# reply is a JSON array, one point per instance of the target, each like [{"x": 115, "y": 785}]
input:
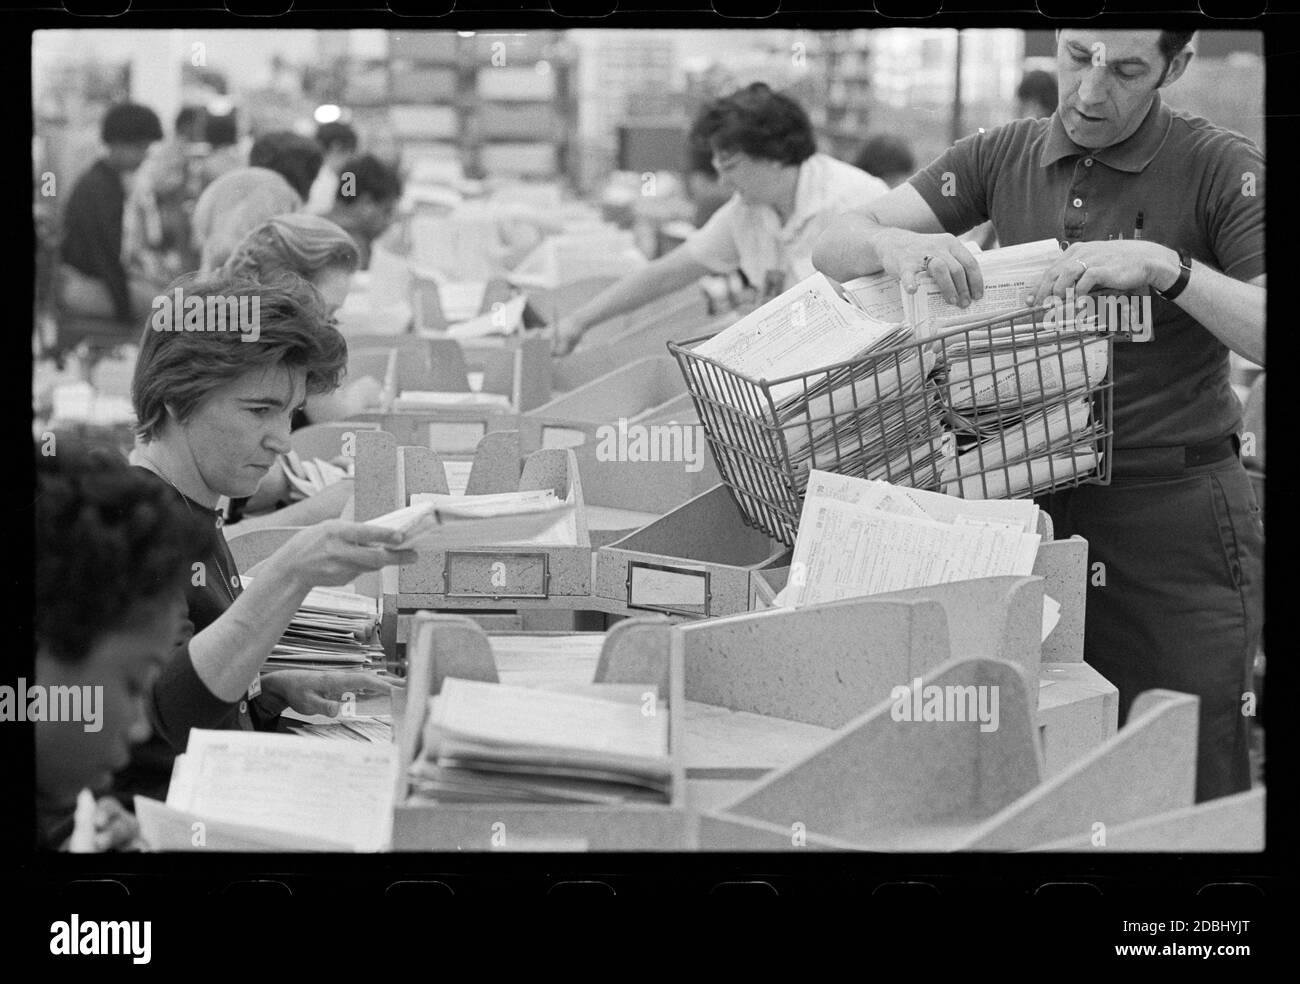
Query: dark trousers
[{"x": 1178, "y": 602}]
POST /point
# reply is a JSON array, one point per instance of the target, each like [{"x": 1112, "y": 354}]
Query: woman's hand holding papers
[
  {"x": 907, "y": 255},
  {"x": 325, "y": 692},
  {"x": 335, "y": 552}
]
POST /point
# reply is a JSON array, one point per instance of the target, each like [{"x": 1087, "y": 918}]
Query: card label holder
[
  {"x": 492, "y": 574},
  {"x": 663, "y": 588},
  {"x": 457, "y": 437}
]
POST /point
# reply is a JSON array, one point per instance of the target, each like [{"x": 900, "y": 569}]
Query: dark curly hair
[
  {"x": 178, "y": 369},
  {"x": 759, "y": 122},
  {"x": 371, "y": 178},
  {"x": 130, "y": 123},
  {"x": 108, "y": 538}
]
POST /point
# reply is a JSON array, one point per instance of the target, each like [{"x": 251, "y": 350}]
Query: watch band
[{"x": 1184, "y": 274}]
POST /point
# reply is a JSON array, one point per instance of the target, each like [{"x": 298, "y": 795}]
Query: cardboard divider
[
  {"x": 626, "y": 395},
  {"x": 327, "y": 441},
  {"x": 454, "y": 431},
  {"x": 888, "y": 781},
  {"x": 519, "y": 367},
  {"x": 644, "y": 651},
  {"x": 696, "y": 561},
  {"x": 825, "y": 664},
  {"x": 1230, "y": 823},
  {"x": 495, "y": 576},
  {"x": 1063, "y": 566},
  {"x": 599, "y": 355},
  {"x": 689, "y": 305},
  {"x": 1147, "y": 768}
]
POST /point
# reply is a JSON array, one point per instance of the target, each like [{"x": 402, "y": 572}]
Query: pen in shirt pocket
[{"x": 1137, "y": 226}]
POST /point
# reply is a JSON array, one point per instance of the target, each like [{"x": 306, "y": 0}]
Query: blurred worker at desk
[
  {"x": 365, "y": 201},
  {"x": 785, "y": 195},
  {"x": 1150, "y": 200},
  {"x": 93, "y": 280}
]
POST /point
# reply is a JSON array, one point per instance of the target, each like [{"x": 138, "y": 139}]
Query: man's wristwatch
[{"x": 1184, "y": 274}]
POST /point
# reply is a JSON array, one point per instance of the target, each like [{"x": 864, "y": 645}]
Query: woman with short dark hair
[
  {"x": 785, "y": 194},
  {"x": 213, "y": 410}
]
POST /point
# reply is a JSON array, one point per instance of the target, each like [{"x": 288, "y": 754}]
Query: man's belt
[{"x": 1172, "y": 461}]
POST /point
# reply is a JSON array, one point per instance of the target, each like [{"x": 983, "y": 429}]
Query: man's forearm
[
  {"x": 1232, "y": 310},
  {"x": 230, "y": 651},
  {"x": 847, "y": 248}
]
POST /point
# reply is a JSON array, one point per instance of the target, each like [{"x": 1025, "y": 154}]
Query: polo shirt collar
[{"x": 1132, "y": 154}]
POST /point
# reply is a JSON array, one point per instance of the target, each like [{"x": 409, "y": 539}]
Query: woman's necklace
[{"x": 226, "y": 580}]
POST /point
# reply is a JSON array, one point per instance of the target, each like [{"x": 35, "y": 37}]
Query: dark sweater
[
  {"x": 92, "y": 232},
  {"x": 179, "y": 700}
]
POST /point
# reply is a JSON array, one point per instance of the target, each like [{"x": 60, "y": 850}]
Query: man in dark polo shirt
[{"x": 1148, "y": 199}]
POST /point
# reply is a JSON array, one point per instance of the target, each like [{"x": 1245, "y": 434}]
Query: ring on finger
[
  {"x": 925, "y": 262},
  {"x": 1082, "y": 264}
]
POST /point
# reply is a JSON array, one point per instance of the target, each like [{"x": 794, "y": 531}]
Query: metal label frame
[
  {"x": 634, "y": 565},
  {"x": 451, "y": 556}
]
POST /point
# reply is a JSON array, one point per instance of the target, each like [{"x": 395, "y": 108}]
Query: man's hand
[
  {"x": 906, "y": 255},
  {"x": 1121, "y": 264},
  {"x": 323, "y": 691}
]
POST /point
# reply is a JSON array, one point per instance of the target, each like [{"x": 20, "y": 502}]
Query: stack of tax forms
[
  {"x": 846, "y": 390},
  {"x": 492, "y": 742},
  {"x": 861, "y": 537},
  {"x": 435, "y": 521},
  {"x": 307, "y": 476},
  {"x": 1020, "y": 402},
  {"x": 334, "y": 628},
  {"x": 254, "y": 790},
  {"x": 1010, "y": 274}
]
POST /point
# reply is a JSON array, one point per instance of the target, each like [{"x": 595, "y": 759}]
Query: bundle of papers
[
  {"x": 1012, "y": 367},
  {"x": 834, "y": 402},
  {"x": 332, "y": 629},
  {"x": 859, "y": 537},
  {"x": 1009, "y": 273},
  {"x": 444, "y": 522},
  {"x": 250, "y": 790},
  {"x": 1022, "y": 453},
  {"x": 307, "y": 476},
  {"x": 364, "y": 728},
  {"x": 492, "y": 742},
  {"x": 857, "y": 387},
  {"x": 506, "y": 318}
]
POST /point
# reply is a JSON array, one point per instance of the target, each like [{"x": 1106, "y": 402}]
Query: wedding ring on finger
[
  {"x": 925, "y": 262},
  {"x": 1082, "y": 264}
]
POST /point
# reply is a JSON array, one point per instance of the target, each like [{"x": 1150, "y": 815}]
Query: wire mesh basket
[{"x": 1009, "y": 407}]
